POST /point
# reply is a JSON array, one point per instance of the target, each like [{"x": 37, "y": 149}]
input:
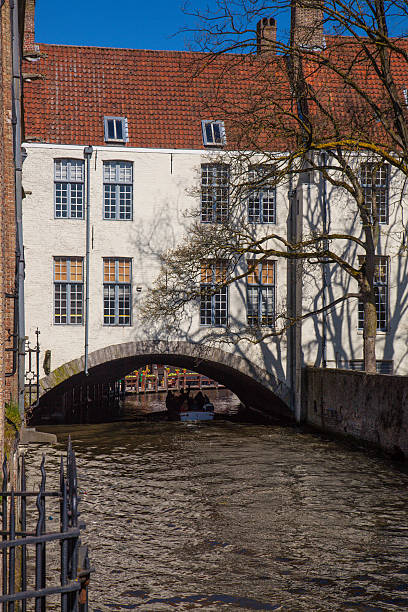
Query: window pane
[
  {"x": 252, "y": 305},
  {"x": 220, "y": 307},
  {"x": 206, "y": 272},
  {"x": 253, "y": 277},
  {"x": 61, "y": 170},
  {"x": 60, "y": 303},
  {"x": 261, "y": 198},
  {"x": 124, "y": 305},
  {"x": 381, "y": 295},
  {"x": 217, "y": 133},
  {"x": 76, "y": 303},
  {"x": 109, "y": 270},
  {"x": 268, "y": 268},
  {"x": 220, "y": 272},
  {"x": 119, "y": 129},
  {"x": 215, "y": 192},
  {"x": 109, "y": 211},
  {"x": 60, "y": 269},
  {"x": 125, "y": 172},
  {"x": 77, "y": 198},
  {"x": 125, "y": 201},
  {"x": 374, "y": 180},
  {"x": 208, "y": 133},
  {"x": 61, "y": 199},
  {"x": 111, "y": 129},
  {"x": 109, "y": 171},
  {"x": 117, "y": 197},
  {"x": 76, "y": 269},
  {"x": 69, "y": 194},
  {"x": 123, "y": 270},
  {"x": 109, "y": 305},
  {"x": 76, "y": 170},
  {"x": 213, "y": 306},
  {"x": 267, "y": 305}
]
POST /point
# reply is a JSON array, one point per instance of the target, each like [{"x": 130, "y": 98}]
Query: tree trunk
[{"x": 370, "y": 332}]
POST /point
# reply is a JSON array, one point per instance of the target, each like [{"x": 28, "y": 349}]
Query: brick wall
[
  {"x": 7, "y": 213},
  {"x": 8, "y": 385},
  {"x": 369, "y": 407}
]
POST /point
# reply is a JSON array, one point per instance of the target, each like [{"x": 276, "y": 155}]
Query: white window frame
[
  {"x": 214, "y": 193},
  {"x": 214, "y": 303},
  {"x": 116, "y": 120},
  {"x": 261, "y": 197},
  {"x": 71, "y": 184},
  {"x": 381, "y": 289},
  {"x": 261, "y": 312},
  {"x": 210, "y": 137},
  {"x": 113, "y": 186},
  {"x": 115, "y": 287},
  {"x": 375, "y": 181},
  {"x": 70, "y": 287}
]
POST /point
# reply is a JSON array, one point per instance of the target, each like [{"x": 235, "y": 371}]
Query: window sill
[
  {"x": 117, "y": 325},
  {"x": 220, "y": 326},
  {"x": 378, "y": 333},
  {"x": 68, "y": 324},
  {"x": 262, "y": 222}
]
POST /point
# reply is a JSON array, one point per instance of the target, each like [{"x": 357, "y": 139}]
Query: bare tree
[{"x": 328, "y": 107}]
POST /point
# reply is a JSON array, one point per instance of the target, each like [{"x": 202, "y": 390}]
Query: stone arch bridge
[{"x": 253, "y": 385}]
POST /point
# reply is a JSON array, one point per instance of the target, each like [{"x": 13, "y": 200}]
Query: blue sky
[{"x": 135, "y": 24}]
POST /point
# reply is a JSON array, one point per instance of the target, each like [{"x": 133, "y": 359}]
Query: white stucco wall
[{"x": 163, "y": 182}]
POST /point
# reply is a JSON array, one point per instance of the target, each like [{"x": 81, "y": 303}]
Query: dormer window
[
  {"x": 213, "y": 133},
  {"x": 116, "y": 129}
]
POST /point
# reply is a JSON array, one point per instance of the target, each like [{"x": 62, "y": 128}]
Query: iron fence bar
[
  {"x": 4, "y": 526},
  {"x": 64, "y": 542},
  {"x": 75, "y": 568},
  {"x": 23, "y": 520},
  {"x": 39, "y": 547},
  {"x": 46, "y": 537},
  {"x": 12, "y": 553},
  {"x": 73, "y": 586},
  {"x": 31, "y": 494},
  {"x": 73, "y": 520}
]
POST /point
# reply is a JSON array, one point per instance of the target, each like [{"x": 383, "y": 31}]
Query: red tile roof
[
  {"x": 353, "y": 115},
  {"x": 166, "y": 94},
  {"x": 163, "y": 94}
]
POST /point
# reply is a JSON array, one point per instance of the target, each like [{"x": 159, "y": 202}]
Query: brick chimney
[
  {"x": 266, "y": 35},
  {"x": 306, "y": 23},
  {"x": 29, "y": 47}
]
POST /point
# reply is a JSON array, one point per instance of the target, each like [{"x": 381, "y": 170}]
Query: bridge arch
[{"x": 252, "y": 384}]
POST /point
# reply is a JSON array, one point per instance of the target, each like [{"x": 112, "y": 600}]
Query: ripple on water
[{"x": 236, "y": 517}]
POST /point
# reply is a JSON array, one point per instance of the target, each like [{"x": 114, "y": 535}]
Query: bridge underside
[{"x": 254, "y": 387}]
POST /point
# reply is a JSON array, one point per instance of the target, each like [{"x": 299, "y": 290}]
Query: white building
[{"x": 142, "y": 113}]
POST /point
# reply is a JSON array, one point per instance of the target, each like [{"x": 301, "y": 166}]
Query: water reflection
[{"x": 236, "y": 517}]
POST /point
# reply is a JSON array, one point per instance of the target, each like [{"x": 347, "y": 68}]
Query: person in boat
[
  {"x": 169, "y": 400},
  {"x": 199, "y": 400}
]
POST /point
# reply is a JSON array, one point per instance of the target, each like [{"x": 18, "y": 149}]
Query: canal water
[{"x": 234, "y": 516}]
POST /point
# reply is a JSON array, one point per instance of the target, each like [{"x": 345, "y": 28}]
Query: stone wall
[{"x": 368, "y": 407}]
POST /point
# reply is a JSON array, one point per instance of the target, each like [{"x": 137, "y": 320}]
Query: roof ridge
[{"x": 163, "y": 51}]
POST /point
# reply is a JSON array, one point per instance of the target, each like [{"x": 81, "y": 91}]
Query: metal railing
[{"x": 24, "y": 552}]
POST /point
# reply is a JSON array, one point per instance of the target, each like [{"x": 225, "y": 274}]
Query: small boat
[
  {"x": 185, "y": 408},
  {"x": 194, "y": 413}
]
